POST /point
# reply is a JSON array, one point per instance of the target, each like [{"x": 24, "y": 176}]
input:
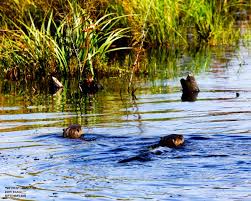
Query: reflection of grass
[
  {"x": 111, "y": 103},
  {"x": 164, "y": 64},
  {"x": 66, "y": 107}
]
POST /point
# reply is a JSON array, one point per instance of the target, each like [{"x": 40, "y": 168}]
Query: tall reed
[
  {"x": 174, "y": 22},
  {"x": 70, "y": 46},
  {"x": 75, "y": 37}
]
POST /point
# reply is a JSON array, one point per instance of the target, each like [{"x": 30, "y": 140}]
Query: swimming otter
[
  {"x": 73, "y": 131},
  {"x": 189, "y": 85},
  {"x": 89, "y": 85},
  {"x": 171, "y": 141}
]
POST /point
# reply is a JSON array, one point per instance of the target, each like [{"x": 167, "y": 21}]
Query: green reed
[
  {"x": 177, "y": 22},
  {"x": 69, "y": 46},
  {"x": 77, "y": 37}
]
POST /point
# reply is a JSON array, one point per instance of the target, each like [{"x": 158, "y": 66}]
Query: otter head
[
  {"x": 178, "y": 140},
  {"x": 172, "y": 141},
  {"x": 190, "y": 78},
  {"x": 73, "y": 131},
  {"x": 90, "y": 79}
]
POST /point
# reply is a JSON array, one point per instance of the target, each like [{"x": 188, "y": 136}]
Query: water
[{"x": 214, "y": 164}]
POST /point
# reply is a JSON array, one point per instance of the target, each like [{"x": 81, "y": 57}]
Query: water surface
[{"x": 214, "y": 164}]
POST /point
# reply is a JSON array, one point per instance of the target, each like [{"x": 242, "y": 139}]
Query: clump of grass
[
  {"x": 70, "y": 46},
  {"x": 173, "y": 23},
  {"x": 212, "y": 21},
  {"x": 76, "y": 37},
  {"x": 29, "y": 47}
]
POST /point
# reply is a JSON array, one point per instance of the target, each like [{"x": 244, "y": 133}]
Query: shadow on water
[{"x": 117, "y": 125}]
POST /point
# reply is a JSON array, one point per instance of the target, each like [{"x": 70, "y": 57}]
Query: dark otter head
[
  {"x": 172, "y": 141},
  {"x": 73, "y": 131},
  {"x": 189, "y": 85},
  {"x": 89, "y": 85},
  {"x": 190, "y": 78}
]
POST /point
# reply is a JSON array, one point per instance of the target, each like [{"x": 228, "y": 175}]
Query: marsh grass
[
  {"x": 172, "y": 23},
  {"x": 70, "y": 46},
  {"x": 76, "y": 38}
]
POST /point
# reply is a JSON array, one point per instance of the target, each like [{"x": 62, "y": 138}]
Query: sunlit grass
[
  {"x": 170, "y": 23},
  {"x": 70, "y": 46},
  {"x": 75, "y": 38}
]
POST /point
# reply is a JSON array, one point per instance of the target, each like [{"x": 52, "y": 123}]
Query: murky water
[{"x": 214, "y": 164}]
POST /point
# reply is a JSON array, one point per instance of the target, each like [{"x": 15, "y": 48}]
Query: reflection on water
[{"x": 214, "y": 163}]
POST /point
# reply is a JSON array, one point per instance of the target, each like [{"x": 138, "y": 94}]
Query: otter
[
  {"x": 89, "y": 85},
  {"x": 171, "y": 141},
  {"x": 189, "y": 97},
  {"x": 190, "y": 88},
  {"x": 189, "y": 85},
  {"x": 73, "y": 131}
]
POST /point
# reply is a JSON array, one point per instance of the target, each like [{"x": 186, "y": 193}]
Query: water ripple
[{"x": 214, "y": 159}]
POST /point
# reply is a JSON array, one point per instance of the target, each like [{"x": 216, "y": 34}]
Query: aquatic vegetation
[
  {"x": 180, "y": 23},
  {"x": 69, "y": 47},
  {"x": 76, "y": 38}
]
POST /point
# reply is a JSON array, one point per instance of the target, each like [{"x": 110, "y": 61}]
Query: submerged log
[
  {"x": 54, "y": 85},
  {"x": 73, "y": 131}
]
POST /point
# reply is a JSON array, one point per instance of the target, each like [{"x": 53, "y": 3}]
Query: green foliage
[
  {"x": 70, "y": 45},
  {"x": 77, "y": 37},
  {"x": 172, "y": 22}
]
